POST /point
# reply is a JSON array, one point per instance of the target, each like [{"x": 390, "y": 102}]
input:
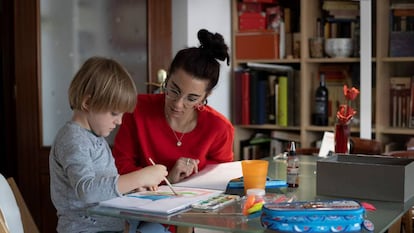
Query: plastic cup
[{"x": 254, "y": 173}]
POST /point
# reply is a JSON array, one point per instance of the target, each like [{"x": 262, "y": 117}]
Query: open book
[{"x": 162, "y": 201}]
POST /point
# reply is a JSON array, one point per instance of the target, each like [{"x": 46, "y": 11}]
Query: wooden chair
[
  {"x": 3, "y": 227},
  {"x": 26, "y": 219},
  {"x": 401, "y": 154},
  {"x": 358, "y": 146},
  {"x": 365, "y": 146}
]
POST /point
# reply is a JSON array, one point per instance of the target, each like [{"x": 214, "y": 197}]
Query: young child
[{"x": 82, "y": 169}]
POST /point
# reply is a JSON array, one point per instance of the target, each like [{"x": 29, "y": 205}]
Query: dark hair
[{"x": 201, "y": 61}]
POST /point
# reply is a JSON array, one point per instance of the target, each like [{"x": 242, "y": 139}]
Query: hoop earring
[{"x": 202, "y": 106}]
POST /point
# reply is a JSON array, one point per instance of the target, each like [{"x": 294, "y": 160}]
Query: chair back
[
  {"x": 3, "y": 227},
  {"x": 15, "y": 216},
  {"x": 401, "y": 154},
  {"x": 365, "y": 146}
]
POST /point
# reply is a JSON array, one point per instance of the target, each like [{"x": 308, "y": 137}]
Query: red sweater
[{"x": 146, "y": 133}]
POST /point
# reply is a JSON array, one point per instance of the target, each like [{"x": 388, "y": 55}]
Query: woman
[{"x": 177, "y": 128}]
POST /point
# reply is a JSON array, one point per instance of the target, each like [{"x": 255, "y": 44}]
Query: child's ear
[{"x": 85, "y": 103}]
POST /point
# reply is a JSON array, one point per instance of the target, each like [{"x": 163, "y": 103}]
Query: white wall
[{"x": 189, "y": 16}]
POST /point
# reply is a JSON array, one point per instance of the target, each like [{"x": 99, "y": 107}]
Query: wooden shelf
[
  {"x": 398, "y": 131},
  {"x": 333, "y": 60},
  {"x": 287, "y": 61},
  {"x": 383, "y": 67},
  {"x": 397, "y": 59},
  {"x": 270, "y": 127}
]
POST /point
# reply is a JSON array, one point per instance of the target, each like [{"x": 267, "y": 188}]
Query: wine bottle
[{"x": 320, "y": 116}]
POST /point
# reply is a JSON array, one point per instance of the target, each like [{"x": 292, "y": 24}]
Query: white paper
[
  {"x": 213, "y": 176},
  {"x": 327, "y": 145}
]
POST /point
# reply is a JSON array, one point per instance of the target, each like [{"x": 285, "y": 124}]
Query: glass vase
[{"x": 342, "y": 134}]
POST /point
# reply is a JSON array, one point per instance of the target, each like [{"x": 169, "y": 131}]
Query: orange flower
[
  {"x": 350, "y": 94},
  {"x": 346, "y": 112}
]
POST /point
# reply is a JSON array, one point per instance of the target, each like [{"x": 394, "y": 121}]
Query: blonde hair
[{"x": 106, "y": 86}]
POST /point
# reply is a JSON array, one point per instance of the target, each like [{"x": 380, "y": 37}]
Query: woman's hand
[{"x": 183, "y": 168}]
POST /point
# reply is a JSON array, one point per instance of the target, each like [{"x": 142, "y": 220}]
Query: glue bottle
[{"x": 292, "y": 175}]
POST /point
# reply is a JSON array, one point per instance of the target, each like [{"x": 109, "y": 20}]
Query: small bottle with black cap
[{"x": 292, "y": 177}]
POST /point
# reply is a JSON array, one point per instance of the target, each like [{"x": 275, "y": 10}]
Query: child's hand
[{"x": 152, "y": 175}]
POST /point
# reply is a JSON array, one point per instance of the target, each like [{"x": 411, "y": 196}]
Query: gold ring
[{"x": 188, "y": 162}]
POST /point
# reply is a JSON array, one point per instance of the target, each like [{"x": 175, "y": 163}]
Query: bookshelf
[
  {"x": 381, "y": 64},
  {"x": 388, "y": 66}
]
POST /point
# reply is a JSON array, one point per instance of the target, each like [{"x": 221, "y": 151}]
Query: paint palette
[{"x": 216, "y": 202}]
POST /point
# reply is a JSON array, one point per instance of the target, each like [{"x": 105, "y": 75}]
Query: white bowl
[{"x": 339, "y": 47}]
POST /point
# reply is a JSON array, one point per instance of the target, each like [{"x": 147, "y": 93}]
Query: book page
[{"x": 213, "y": 176}]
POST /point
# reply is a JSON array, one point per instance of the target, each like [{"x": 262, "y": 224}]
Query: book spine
[
  {"x": 271, "y": 111},
  {"x": 393, "y": 106},
  {"x": 282, "y": 42},
  {"x": 282, "y": 117},
  {"x": 254, "y": 80},
  {"x": 400, "y": 98},
  {"x": 261, "y": 101},
  {"x": 245, "y": 95},
  {"x": 276, "y": 101},
  {"x": 411, "y": 113},
  {"x": 237, "y": 97}
]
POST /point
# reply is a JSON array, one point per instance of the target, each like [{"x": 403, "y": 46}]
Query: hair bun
[{"x": 213, "y": 45}]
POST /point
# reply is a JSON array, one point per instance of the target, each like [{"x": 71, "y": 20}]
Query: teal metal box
[{"x": 366, "y": 177}]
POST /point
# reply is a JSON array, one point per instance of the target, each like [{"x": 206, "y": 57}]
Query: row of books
[
  {"x": 401, "y": 30},
  {"x": 341, "y": 19},
  {"x": 269, "y": 93},
  {"x": 402, "y": 102},
  {"x": 266, "y": 94},
  {"x": 402, "y": 17},
  {"x": 341, "y": 9}
]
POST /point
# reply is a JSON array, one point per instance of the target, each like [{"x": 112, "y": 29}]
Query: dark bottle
[
  {"x": 292, "y": 176},
  {"x": 320, "y": 114}
]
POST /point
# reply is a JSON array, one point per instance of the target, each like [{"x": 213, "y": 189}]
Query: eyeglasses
[{"x": 175, "y": 95}]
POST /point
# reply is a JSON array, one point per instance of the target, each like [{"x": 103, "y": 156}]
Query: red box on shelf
[
  {"x": 263, "y": 1},
  {"x": 252, "y": 25},
  {"x": 257, "y": 45},
  {"x": 249, "y": 7},
  {"x": 252, "y": 21}
]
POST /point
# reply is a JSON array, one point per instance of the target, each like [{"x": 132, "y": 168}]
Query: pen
[{"x": 165, "y": 179}]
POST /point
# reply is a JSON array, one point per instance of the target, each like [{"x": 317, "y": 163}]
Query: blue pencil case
[
  {"x": 315, "y": 216},
  {"x": 270, "y": 183}
]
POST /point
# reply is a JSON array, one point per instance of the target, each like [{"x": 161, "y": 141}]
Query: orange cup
[{"x": 254, "y": 173}]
